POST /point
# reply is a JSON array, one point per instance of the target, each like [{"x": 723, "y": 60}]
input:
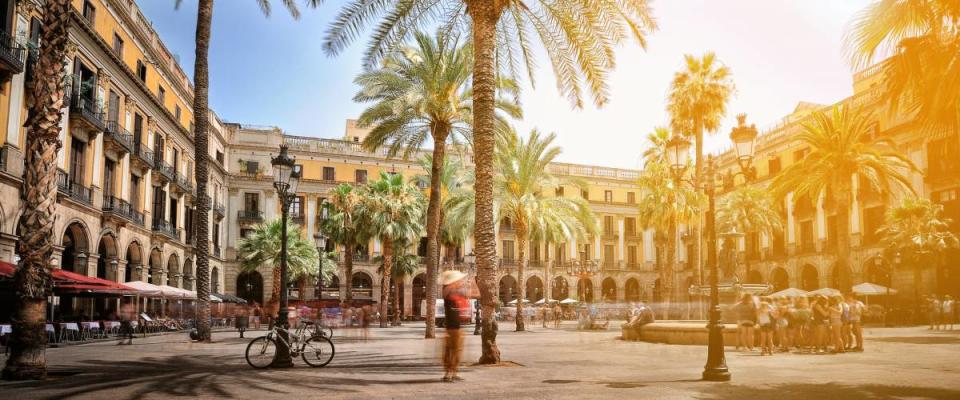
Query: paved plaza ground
[{"x": 397, "y": 363}]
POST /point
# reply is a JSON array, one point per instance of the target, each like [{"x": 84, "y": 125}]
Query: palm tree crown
[
  {"x": 262, "y": 247},
  {"x": 698, "y": 95}
]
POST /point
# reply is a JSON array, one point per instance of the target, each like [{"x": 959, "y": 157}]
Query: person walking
[
  {"x": 949, "y": 310},
  {"x": 856, "y": 317},
  {"x": 557, "y": 315},
  {"x": 746, "y": 320},
  {"x": 765, "y": 320},
  {"x": 128, "y": 314},
  {"x": 934, "y": 311},
  {"x": 454, "y": 303},
  {"x": 835, "y": 310},
  {"x": 821, "y": 318}
]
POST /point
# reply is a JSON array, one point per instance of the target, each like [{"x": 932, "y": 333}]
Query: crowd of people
[
  {"x": 943, "y": 314},
  {"x": 819, "y": 324}
]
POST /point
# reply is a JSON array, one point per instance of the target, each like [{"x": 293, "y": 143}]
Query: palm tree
[
  {"x": 201, "y": 89},
  {"x": 663, "y": 206},
  {"x": 342, "y": 225},
  {"x": 697, "y": 102},
  {"x": 391, "y": 211},
  {"x": 841, "y": 150},
  {"x": 917, "y": 230},
  {"x": 657, "y": 151},
  {"x": 454, "y": 181},
  {"x": 923, "y": 39},
  {"x": 420, "y": 92},
  {"x": 404, "y": 265},
  {"x": 28, "y": 341},
  {"x": 749, "y": 209},
  {"x": 263, "y": 247},
  {"x": 327, "y": 268},
  {"x": 579, "y": 38}
]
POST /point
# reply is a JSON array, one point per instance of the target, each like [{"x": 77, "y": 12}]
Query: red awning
[{"x": 74, "y": 283}]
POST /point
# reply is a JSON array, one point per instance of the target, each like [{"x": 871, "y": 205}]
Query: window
[
  {"x": 832, "y": 232},
  {"x": 158, "y": 148},
  {"x": 142, "y": 71},
  {"x": 219, "y": 157},
  {"x": 77, "y": 161},
  {"x": 773, "y": 165},
  {"x": 252, "y": 167},
  {"x": 585, "y": 194},
  {"x": 161, "y": 94},
  {"x": 608, "y": 257},
  {"x": 215, "y": 235},
  {"x": 360, "y": 176},
  {"x": 135, "y": 192},
  {"x": 943, "y": 158},
  {"x": 559, "y": 191},
  {"x": 159, "y": 200},
  {"x": 561, "y": 253},
  {"x": 608, "y": 196},
  {"x": 89, "y": 11},
  {"x": 118, "y": 45},
  {"x": 329, "y": 174},
  {"x": 296, "y": 207},
  {"x": 176, "y": 112},
  {"x": 632, "y": 256},
  {"x": 799, "y": 154},
  {"x": 631, "y": 198},
  {"x": 109, "y": 173},
  {"x": 872, "y": 220},
  {"x": 137, "y": 130},
  {"x": 608, "y": 225},
  {"x": 173, "y": 212},
  {"x": 630, "y": 226},
  {"x": 753, "y": 246},
  {"x": 246, "y": 232},
  {"x": 508, "y": 250},
  {"x": 251, "y": 201},
  {"x": 806, "y": 236}
]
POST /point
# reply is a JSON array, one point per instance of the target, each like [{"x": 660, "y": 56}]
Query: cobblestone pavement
[{"x": 543, "y": 364}]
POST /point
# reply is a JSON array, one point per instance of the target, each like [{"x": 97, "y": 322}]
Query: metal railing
[
  {"x": 72, "y": 189},
  {"x": 250, "y": 215},
  {"x": 184, "y": 183},
  {"x": 216, "y": 251},
  {"x": 3, "y": 158},
  {"x": 219, "y": 209},
  {"x": 165, "y": 169},
  {"x": 116, "y": 132},
  {"x": 122, "y": 208},
  {"x": 87, "y": 107},
  {"x": 361, "y": 257},
  {"x": 144, "y": 154},
  {"x": 165, "y": 227},
  {"x": 11, "y": 52}
]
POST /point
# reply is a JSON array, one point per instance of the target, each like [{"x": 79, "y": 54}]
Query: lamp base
[{"x": 717, "y": 374}]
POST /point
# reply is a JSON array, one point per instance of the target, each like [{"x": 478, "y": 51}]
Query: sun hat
[{"x": 451, "y": 276}]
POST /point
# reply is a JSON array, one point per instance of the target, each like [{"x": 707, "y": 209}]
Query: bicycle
[{"x": 316, "y": 349}]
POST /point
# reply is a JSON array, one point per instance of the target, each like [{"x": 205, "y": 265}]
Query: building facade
[{"x": 127, "y": 193}]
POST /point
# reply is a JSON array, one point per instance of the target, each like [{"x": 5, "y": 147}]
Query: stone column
[{"x": 89, "y": 264}]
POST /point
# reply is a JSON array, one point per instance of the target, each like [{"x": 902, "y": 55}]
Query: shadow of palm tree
[{"x": 825, "y": 391}]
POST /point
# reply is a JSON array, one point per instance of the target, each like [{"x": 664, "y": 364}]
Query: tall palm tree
[
  {"x": 657, "y": 151},
  {"x": 579, "y": 38},
  {"x": 419, "y": 92},
  {"x": 28, "y": 341},
  {"x": 697, "y": 102},
  {"x": 663, "y": 206},
  {"x": 454, "y": 180},
  {"x": 201, "y": 89},
  {"x": 342, "y": 225},
  {"x": 262, "y": 247},
  {"x": 749, "y": 210},
  {"x": 923, "y": 39},
  {"x": 842, "y": 150},
  {"x": 404, "y": 265},
  {"x": 392, "y": 211},
  {"x": 917, "y": 229}
]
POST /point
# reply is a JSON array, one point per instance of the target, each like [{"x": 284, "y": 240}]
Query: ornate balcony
[
  {"x": 73, "y": 190},
  {"x": 114, "y": 208},
  {"x": 12, "y": 55},
  {"x": 85, "y": 110},
  {"x": 164, "y": 171},
  {"x": 250, "y": 216},
  {"x": 117, "y": 137},
  {"x": 218, "y": 210},
  {"x": 183, "y": 184},
  {"x": 297, "y": 218},
  {"x": 141, "y": 156},
  {"x": 165, "y": 228}
]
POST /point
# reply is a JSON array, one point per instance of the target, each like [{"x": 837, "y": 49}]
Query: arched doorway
[
  {"x": 419, "y": 293},
  {"x": 754, "y": 277},
  {"x": 250, "y": 287},
  {"x": 534, "y": 289},
  {"x": 155, "y": 273},
  {"x": 134, "y": 269},
  {"x": 841, "y": 277},
  {"x": 585, "y": 290},
  {"x": 188, "y": 274},
  {"x": 331, "y": 288},
  {"x": 809, "y": 278},
  {"x": 107, "y": 263},
  {"x": 76, "y": 246},
  {"x": 362, "y": 286},
  {"x": 215, "y": 280},
  {"x": 609, "y": 287},
  {"x": 173, "y": 271},
  {"x": 779, "y": 279},
  {"x": 508, "y": 289},
  {"x": 631, "y": 290},
  {"x": 560, "y": 289},
  {"x": 877, "y": 271}
]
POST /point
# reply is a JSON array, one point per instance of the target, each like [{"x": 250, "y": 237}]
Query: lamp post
[
  {"x": 321, "y": 242},
  {"x": 286, "y": 177},
  {"x": 581, "y": 271},
  {"x": 470, "y": 260},
  {"x": 678, "y": 156}
]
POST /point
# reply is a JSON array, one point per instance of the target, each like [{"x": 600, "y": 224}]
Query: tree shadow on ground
[
  {"x": 919, "y": 339},
  {"x": 220, "y": 376},
  {"x": 825, "y": 391}
]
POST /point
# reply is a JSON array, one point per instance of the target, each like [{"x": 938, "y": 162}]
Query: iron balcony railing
[
  {"x": 297, "y": 218},
  {"x": 72, "y": 189},
  {"x": 3, "y": 158},
  {"x": 12, "y": 54},
  {"x": 219, "y": 209},
  {"x": 85, "y": 106},
  {"x": 122, "y": 208},
  {"x": 361, "y": 257},
  {"x": 165, "y": 169},
  {"x": 250, "y": 215},
  {"x": 216, "y": 251},
  {"x": 142, "y": 153},
  {"x": 166, "y": 228},
  {"x": 184, "y": 183},
  {"x": 116, "y": 132}
]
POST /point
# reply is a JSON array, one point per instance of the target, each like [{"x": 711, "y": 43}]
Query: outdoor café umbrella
[
  {"x": 514, "y": 302},
  {"x": 790, "y": 292},
  {"x": 568, "y": 301},
  {"x": 829, "y": 292},
  {"x": 541, "y": 301},
  {"x": 872, "y": 289}
]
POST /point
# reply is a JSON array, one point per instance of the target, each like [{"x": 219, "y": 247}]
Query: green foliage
[
  {"x": 917, "y": 227},
  {"x": 391, "y": 209},
  {"x": 698, "y": 95},
  {"x": 262, "y": 247},
  {"x": 455, "y": 182},
  {"x": 662, "y": 204},
  {"x": 749, "y": 209},
  {"x": 342, "y": 224}
]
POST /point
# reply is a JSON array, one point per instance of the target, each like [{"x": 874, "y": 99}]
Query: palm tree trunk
[
  {"x": 484, "y": 15},
  {"x": 275, "y": 290},
  {"x": 385, "y": 285},
  {"x": 200, "y": 139},
  {"x": 667, "y": 277},
  {"x": 348, "y": 272},
  {"x": 28, "y": 341},
  {"x": 522, "y": 285},
  {"x": 433, "y": 229},
  {"x": 396, "y": 302},
  {"x": 843, "y": 245},
  {"x": 695, "y": 253}
]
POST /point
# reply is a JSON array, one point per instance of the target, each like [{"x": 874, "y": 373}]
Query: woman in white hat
[{"x": 454, "y": 303}]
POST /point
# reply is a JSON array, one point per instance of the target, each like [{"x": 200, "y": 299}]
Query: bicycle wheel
[
  {"x": 325, "y": 330},
  {"x": 261, "y": 352},
  {"x": 317, "y": 351}
]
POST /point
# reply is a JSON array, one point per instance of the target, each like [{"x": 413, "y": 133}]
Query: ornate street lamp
[
  {"x": 470, "y": 260},
  {"x": 678, "y": 155},
  {"x": 744, "y": 137},
  {"x": 286, "y": 178},
  {"x": 321, "y": 242}
]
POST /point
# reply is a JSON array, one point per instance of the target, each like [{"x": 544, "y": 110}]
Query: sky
[{"x": 272, "y": 71}]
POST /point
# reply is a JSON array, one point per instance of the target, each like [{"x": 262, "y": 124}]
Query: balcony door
[
  {"x": 114, "y": 107},
  {"x": 77, "y": 150},
  {"x": 159, "y": 203},
  {"x": 137, "y": 130},
  {"x": 108, "y": 176}
]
